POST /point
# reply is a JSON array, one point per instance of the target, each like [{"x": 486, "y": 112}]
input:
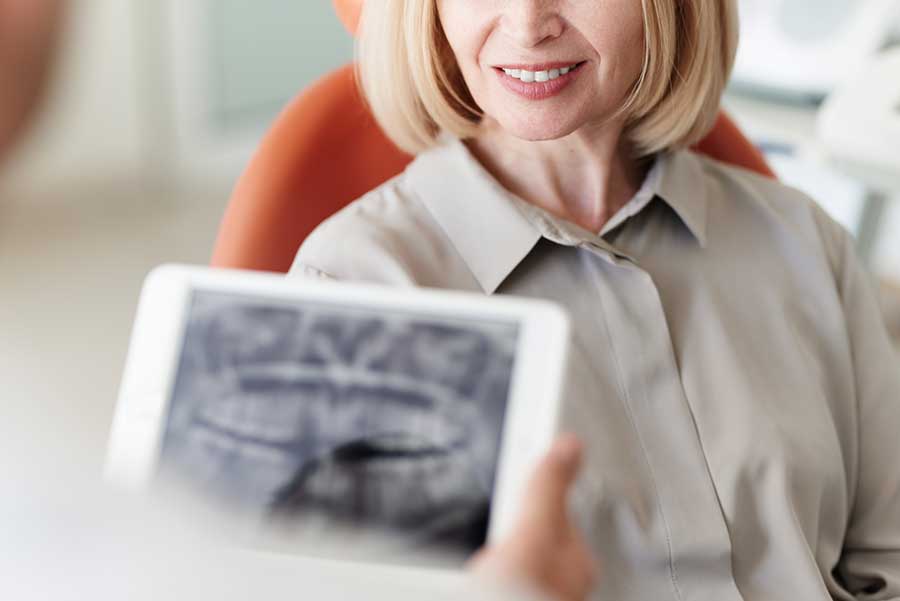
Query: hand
[{"x": 545, "y": 549}]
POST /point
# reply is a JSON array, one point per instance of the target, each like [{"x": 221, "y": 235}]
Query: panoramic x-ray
[{"x": 318, "y": 416}]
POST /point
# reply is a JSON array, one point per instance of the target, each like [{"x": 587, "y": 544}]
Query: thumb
[{"x": 548, "y": 489}]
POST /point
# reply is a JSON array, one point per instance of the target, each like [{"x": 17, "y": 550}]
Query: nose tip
[{"x": 531, "y": 22}]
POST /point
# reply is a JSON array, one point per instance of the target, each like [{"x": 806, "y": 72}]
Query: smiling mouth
[{"x": 539, "y": 73}]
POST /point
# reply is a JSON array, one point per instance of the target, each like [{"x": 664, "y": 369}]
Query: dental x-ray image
[{"x": 317, "y": 417}]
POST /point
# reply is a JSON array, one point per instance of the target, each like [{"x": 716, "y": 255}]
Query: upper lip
[{"x": 538, "y": 66}]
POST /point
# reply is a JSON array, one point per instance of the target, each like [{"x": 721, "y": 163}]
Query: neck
[{"x": 584, "y": 178}]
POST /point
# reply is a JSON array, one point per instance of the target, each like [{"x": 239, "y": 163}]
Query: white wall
[
  {"x": 137, "y": 97},
  {"x": 887, "y": 249}
]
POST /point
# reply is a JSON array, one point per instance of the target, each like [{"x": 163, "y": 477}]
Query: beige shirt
[{"x": 731, "y": 372}]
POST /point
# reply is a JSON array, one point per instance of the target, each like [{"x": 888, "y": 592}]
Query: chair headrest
[{"x": 348, "y": 11}]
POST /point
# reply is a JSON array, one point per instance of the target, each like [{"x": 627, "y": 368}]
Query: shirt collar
[{"x": 494, "y": 230}]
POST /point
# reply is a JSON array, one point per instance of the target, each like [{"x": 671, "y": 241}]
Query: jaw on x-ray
[{"x": 312, "y": 416}]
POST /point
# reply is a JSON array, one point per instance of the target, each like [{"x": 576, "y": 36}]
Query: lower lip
[{"x": 538, "y": 90}]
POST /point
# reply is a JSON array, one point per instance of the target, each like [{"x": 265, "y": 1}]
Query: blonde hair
[{"x": 414, "y": 87}]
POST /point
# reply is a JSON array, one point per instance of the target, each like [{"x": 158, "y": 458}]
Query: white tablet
[{"x": 413, "y": 412}]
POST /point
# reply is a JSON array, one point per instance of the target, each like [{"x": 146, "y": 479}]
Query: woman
[
  {"x": 731, "y": 374},
  {"x": 29, "y": 33}
]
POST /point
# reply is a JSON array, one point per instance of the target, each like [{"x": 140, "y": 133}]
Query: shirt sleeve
[{"x": 869, "y": 567}]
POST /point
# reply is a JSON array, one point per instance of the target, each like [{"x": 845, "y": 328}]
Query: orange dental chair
[{"x": 325, "y": 150}]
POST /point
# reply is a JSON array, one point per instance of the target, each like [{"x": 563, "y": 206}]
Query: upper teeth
[{"x": 537, "y": 76}]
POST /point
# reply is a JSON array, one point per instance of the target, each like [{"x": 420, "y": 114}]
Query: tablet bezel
[{"x": 536, "y": 386}]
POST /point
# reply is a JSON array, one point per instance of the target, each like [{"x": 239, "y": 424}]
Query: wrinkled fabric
[{"x": 730, "y": 370}]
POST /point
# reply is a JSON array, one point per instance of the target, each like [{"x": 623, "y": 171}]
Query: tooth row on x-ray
[{"x": 316, "y": 414}]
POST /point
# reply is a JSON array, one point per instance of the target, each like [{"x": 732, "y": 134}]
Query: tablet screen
[{"x": 305, "y": 413}]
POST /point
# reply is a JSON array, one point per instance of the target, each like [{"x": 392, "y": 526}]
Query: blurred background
[{"x": 156, "y": 107}]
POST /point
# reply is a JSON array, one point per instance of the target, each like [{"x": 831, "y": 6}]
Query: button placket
[{"x": 664, "y": 420}]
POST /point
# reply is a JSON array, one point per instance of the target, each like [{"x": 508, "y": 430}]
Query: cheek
[
  {"x": 459, "y": 30},
  {"x": 620, "y": 44},
  {"x": 466, "y": 26},
  {"x": 465, "y": 30}
]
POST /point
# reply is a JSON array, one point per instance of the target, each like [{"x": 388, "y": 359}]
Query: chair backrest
[{"x": 325, "y": 150}]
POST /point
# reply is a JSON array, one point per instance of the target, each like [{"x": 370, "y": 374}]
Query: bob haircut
[{"x": 414, "y": 87}]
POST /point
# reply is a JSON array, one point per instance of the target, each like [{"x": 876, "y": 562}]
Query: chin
[{"x": 524, "y": 130}]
